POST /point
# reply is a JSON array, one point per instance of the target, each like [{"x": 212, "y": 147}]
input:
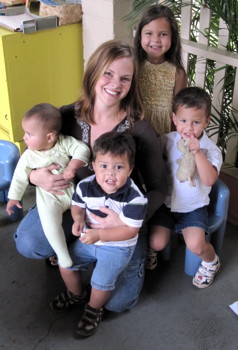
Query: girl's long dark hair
[{"x": 173, "y": 55}]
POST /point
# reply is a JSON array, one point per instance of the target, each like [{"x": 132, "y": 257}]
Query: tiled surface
[{"x": 171, "y": 313}]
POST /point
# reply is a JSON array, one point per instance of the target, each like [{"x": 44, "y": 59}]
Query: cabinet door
[
  {"x": 45, "y": 66},
  {"x": 5, "y": 119}
]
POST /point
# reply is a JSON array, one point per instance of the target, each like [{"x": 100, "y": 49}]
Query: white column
[{"x": 102, "y": 21}]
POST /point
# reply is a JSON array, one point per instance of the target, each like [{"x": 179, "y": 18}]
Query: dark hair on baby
[
  {"x": 117, "y": 144},
  {"x": 48, "y": 116},
  {"x": 193, "y": 97}
]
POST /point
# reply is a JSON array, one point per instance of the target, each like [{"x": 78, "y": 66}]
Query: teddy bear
[{"x": 186, "y": 164}]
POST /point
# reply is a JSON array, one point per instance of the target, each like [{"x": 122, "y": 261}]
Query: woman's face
[{"x": 115, "y": 82}]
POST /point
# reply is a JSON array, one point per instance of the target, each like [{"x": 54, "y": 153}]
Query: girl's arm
[{"x": 180, "y": 80}]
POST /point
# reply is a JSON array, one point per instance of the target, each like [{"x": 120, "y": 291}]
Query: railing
[{"x": 219, "y": 54}]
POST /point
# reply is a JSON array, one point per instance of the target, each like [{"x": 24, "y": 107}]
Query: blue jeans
[
  {"x": 109, "y": 262},
  {"x": 31, "y": 242}
]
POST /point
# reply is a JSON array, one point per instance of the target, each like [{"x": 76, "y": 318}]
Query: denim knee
[
  {"x": 30, "y": 238},
  {"x": 128, "y": 287}
]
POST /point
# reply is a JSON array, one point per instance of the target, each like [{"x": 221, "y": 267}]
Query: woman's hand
[
  {"x": 111, "y": 220},
  {"x": 53, "y": 183}
]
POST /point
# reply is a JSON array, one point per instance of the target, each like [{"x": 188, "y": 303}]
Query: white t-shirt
[{"x": 181, "y": 196}]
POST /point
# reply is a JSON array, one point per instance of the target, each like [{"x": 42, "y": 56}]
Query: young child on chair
[
  {"x": 46, "y": 146},
  {"x": 111, "y": 248},
  {"x": 185, "y": 207}
]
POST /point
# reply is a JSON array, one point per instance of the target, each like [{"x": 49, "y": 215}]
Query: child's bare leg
[
  {"x": 196, "y": 242},
  {"x": 72, "y": 280},
  {"x": 159, "y": 237},
  {"x": 99, "y": 298},
  {"x": 73, "y": 296},
  {"x": 92, "y": 315}
]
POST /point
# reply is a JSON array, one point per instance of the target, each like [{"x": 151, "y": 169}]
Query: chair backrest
[
  {"x": 219, "y": 199},
  {"x": 9, "y": 156}
]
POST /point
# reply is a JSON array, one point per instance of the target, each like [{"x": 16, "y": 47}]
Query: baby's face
[
  {"x": 35, "y": 137},
  {"x": 111, "y": 171},
  {"x": 190, "y": 122}
]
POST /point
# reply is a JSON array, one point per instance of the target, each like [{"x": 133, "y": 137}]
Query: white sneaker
[{"x": 205, "y": 275}]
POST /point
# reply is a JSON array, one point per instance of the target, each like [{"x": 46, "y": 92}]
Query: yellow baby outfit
[{"x": 157, "y": 83}]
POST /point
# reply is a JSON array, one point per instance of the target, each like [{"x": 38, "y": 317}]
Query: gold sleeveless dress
[{"x": 156, "y": 82}]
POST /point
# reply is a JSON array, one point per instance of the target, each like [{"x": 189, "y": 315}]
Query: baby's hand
[
  {"x": 194, "y": 145},
  {"x": 11, "y": 203},
  {"x": 69, "y": 173}
]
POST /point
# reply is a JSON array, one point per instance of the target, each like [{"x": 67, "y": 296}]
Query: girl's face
[
  {"x": 156, "y": 39},
  {"x": 115, "y": 82}
]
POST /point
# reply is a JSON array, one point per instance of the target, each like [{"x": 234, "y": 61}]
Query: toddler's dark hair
[
  {"x": 193, "y": 97},
  {"x": 116, "y": 143},
  {"x": 48, "y": 115}
]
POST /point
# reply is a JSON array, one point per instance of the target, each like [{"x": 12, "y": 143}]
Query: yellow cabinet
[{"x": 46, "y": 66}]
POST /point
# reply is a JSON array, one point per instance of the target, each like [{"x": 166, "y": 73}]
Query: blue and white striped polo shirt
[{"x": 128, "y": 202}]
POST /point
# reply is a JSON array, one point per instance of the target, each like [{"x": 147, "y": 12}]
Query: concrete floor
[{"x": 171, "y": 313}]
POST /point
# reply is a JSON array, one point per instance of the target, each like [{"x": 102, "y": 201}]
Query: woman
[{"x": 109, "y": 101}]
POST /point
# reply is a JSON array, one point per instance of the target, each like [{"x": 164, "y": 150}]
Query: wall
[{"x": 102, "y": 21}]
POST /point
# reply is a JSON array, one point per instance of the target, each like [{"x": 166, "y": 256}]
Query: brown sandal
[
  {"x": 89, "y": 322},
  {"x": 66, "y": 300}
]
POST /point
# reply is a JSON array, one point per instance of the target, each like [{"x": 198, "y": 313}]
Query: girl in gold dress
[{"x": 158, "y": 50}]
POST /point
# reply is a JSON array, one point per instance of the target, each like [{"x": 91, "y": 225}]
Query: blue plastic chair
[
  {"x": 217, "y": 217},
  {"x": 9, "y": 156}
]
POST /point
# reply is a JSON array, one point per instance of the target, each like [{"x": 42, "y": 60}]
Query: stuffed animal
[{"x": 186, "y": 164}]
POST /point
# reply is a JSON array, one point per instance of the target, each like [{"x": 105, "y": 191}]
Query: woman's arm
[{"x": 53, "y": 183}]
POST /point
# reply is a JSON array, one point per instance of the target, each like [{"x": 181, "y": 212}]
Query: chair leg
[
  {"x": 192, "y": 263},
  {"x": 217, "y": 238}
]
